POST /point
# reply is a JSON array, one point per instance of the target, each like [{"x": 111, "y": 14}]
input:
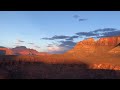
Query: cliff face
[
  {"x": 21, "y": 50},
  {"x": 115, "y": 50},
  {"x": 109, "y": 41},
  {"x": 25, "y": 52},
  {"x": 6, "y": 51},
  {"x": 101, "y": 46}
]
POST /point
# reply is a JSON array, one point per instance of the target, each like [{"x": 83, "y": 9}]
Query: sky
[{"x": 55, "y": 31}]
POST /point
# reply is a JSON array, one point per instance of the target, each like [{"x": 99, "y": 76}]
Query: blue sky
[{"x": 31, "y": 26}]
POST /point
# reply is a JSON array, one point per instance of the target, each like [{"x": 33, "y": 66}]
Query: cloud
[
  {"x": 107, "y": 32},
  {"x": 79, "y": 19},
  {"x": 21, "y": 41},
  {"x": 48, "y": 38},
  {"x": 31, "y": 43},
  {"x": 72, "y": 37},
  {"x": 55, "y": 49},
  {"x": 50, "y": 45},
  {"x": 104, "y": 30},
  {"x": 56, "y": 37},
  {"x": 76, "y": 16},
  {"x": 68, "y": 44},
  {"x": 82, "y": 19},
  {"x": 62, "y": 47},
  {"x": 36, "y": 46},
  {"x": 113, "y": 33},
  {"x": 61, "y": 37},
  {"x": 99, "y": 33},
  {"x": 18, "y": 42},
  {"x": 87, "y": 34}
]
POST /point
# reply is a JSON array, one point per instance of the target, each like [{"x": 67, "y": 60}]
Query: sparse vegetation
[{"x": 54, "y": 67}]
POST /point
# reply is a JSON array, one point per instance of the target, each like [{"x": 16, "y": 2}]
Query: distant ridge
[
  {"x": 6, "y": 51},
  {"x": 22, "y": 50},
  {"x": 2, "y": 47}
]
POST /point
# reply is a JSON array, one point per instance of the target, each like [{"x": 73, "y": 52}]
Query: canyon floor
[{"x": 59, "y": 67}]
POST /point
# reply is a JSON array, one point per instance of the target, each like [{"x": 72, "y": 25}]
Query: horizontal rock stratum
[
  {"x": 21, "y": 50},
  {"x": 98, "y": 47}
]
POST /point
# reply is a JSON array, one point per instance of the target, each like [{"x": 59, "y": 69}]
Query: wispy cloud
[
  {"x": 31, "y": 43},
  {"x": 105, "y": 32},
  {"x": 36, "y": 46},
  {"x": 61, "y": 37},
  {"x": 113, "y": 33},
  {"x": 50, "y": 45},
  {"x": 87, "y": 34},
  {"x": 62, "y": 47},
  {"x": 21, "y": 41},
  {"x": 18, "y": 42},
  {"x": 82, "y": 19},
  {"x": 68, "y": 44},
  {"x": 56, "y": 49},
  {"x": 72, "y": 37},
  {"x": 78, "y": 18},
  {"x": 56, "y": 37}
]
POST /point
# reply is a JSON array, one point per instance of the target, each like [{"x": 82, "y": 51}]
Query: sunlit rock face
[
  {"x": 105, "y": 66},
  {"x": 109, "y": 41},
  {"x": 101, "y": 46},
  {"x": 115, "y": 50},
  {"x": 6, "y": 51},
  {"x": 86, "y": 46},
  {"x": 26, "y": 52},
  {"x": 22, "y": 50},
  {"x": 89, "y": 41}
]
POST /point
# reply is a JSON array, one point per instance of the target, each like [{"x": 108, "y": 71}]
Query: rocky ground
[{"x": 28, "y": 70}]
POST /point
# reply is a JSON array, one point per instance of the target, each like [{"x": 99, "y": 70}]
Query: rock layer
[
  {"x": 101, "y": 46},
  {"x": 26, "y": 51}
]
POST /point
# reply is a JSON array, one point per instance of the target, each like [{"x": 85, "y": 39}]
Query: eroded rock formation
[{"x": 101, "y": 46}]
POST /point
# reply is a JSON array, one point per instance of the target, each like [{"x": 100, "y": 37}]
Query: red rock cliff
[
  {"x": 90, "y": 46},
  {"x": 7, "y": 51}
]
